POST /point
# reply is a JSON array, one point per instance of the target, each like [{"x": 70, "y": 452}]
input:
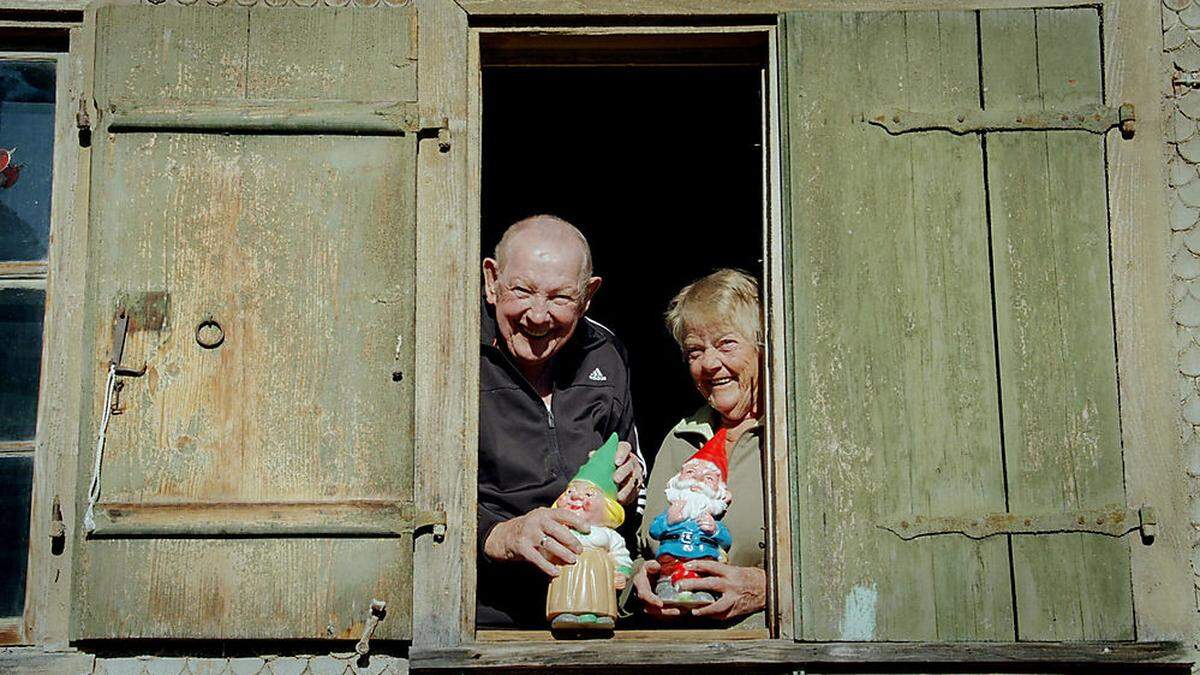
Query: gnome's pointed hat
[
  {"x": 598, "y": 470},
  {"x": 714, "y": 451}
]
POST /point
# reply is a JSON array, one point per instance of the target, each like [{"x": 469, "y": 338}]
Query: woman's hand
[
  {"x": 651, "y": 603},
  {"x": 743, "y": 589},
  {"x": 540, "y": 537},
  {"x": 620, "y": 581}
]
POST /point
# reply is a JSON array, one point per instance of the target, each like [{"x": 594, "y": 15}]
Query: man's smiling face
[{"x": 540, "y": 294}]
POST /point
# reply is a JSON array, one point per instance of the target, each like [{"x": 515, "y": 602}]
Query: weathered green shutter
[
  {"x": 253, "y": 168},
  {"x": 951, "y": 334}
]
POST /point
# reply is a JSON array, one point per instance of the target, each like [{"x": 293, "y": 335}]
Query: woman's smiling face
[{"x": 724, "y": 366}]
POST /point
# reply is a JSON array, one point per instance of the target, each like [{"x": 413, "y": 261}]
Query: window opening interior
[{"x": 652, "y": 146}]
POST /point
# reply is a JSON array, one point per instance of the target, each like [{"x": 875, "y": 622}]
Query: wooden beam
[
  {"x": 694, "y": 636},
  {"x": 345, "y": 518},
  {"x": 34, "y": 269},
  {"x": 586, "y": 655},
  {"x": 44, "y": 5},
  {"x": 310, "y": 117},
  {"x": 48, "y": 590},
  {"x": 447, "y": 368},
  {"x": 31, "y": 661},
  {"x": 1164, "y": 603},
  {"x": 16, "y": 447},
  {"x": 482, "y": 8}
]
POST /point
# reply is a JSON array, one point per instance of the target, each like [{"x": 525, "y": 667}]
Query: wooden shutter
[
  {"x": 951, "y": 330},
  {"x": 252, "y": 167}
]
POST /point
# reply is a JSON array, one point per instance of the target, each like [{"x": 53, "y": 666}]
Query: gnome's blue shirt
[{"x": 686, "y": 540}]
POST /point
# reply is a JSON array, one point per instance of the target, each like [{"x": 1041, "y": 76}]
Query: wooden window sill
[
  {"x": 577, "y": 655},
  {"x": 691, "y": 636}
]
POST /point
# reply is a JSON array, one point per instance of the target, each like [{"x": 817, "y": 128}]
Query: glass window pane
[
  {"x": 27, "y": 131},
  {"x": 16, "y": 485},
  {"x": 21, "y": 312}
]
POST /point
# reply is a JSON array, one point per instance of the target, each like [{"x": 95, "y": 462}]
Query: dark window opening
[{"x": 652, "y": 147}]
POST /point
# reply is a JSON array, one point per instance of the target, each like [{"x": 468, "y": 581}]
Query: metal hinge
[
  {"x": 1113, "y": 521},
  {"x": 1097, "y": 119}
]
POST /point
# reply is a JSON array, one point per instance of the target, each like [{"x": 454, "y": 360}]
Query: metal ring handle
[{"x": 209, "y": 342}]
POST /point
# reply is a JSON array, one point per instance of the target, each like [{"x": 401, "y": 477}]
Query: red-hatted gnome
[{"x": 689, "y": 529}]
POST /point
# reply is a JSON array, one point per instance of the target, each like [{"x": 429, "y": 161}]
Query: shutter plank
[
  {"x": 302, "y": 247},
  {"x": 364, "y": 60},
  {"x": 894, "y": 379},
  {"x": 1054, "y": 325}
]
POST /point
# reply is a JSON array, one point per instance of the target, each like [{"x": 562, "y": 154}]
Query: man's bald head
[
  {"x": 546, "y": 230},
  {"x": 540, "y": 284}
]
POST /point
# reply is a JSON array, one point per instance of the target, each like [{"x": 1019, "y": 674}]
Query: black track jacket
[{"x": 527, "y": 453}]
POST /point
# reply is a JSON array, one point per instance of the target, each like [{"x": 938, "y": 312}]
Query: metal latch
[
  {"x": 82, "y": 119},
  {"x": 433, "y": 522},
  {"x": 120, "y": 331},
  {"x": 436, "y": 128},
  {"x": 1113, "y": 521},
  {"x": 1097, "y": 119},
  {"x": 378, "y": 613},
  {"x": 58, "y": 529}
]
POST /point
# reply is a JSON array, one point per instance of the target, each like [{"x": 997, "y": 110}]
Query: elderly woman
[{"x": 716, "y": 322}]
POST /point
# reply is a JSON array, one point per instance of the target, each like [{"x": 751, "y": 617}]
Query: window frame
[
  {"x": 46, "y": 609},
  {"x": 778, "y": 615},
  {"x": 36, "y": 275},
  {"x": 1134, "y": 72}
]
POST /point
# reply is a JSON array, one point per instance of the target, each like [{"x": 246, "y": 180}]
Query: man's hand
[
  {"x": 707, "y": 523},
  {"x": 743, "y": 589},
  {"x": 628, "y": 474},
  {"x": 651, "y": 603},
  {"x": 540, "y": 537}
]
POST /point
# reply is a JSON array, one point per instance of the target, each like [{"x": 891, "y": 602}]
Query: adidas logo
[{"x": 597, "y": 376}]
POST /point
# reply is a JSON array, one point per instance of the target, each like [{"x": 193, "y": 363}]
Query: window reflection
[
  {"x": 27, "y": 132},
  {"x": 16, "y": 475},
  {"x": 21, "y": 311}
]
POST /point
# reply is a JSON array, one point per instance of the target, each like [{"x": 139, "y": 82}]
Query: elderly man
[{"x": 553, "y": 386}]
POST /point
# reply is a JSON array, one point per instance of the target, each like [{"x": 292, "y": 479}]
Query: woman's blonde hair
[{"x": 727, "y": 297}]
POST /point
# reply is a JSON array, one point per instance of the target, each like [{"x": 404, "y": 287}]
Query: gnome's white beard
[{"x": 696, "y": 503}]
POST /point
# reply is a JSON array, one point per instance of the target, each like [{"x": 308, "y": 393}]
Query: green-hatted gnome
[{"x": 584, "y": 594}]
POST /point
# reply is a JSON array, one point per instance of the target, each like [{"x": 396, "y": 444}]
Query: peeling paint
[{"x": 858, "y": 617}]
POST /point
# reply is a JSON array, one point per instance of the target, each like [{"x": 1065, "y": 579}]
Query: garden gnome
[
  {"x": 584, "y": 594},
  {"x": 689, "y": 530}
]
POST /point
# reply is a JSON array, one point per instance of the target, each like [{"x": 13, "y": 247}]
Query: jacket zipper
[{"x": 551, "y": 429}]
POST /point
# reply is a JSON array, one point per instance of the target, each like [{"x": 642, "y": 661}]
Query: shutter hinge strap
[
  {"x": 1112, "y": 521},
  {"x": 1097, "y": 119}
]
